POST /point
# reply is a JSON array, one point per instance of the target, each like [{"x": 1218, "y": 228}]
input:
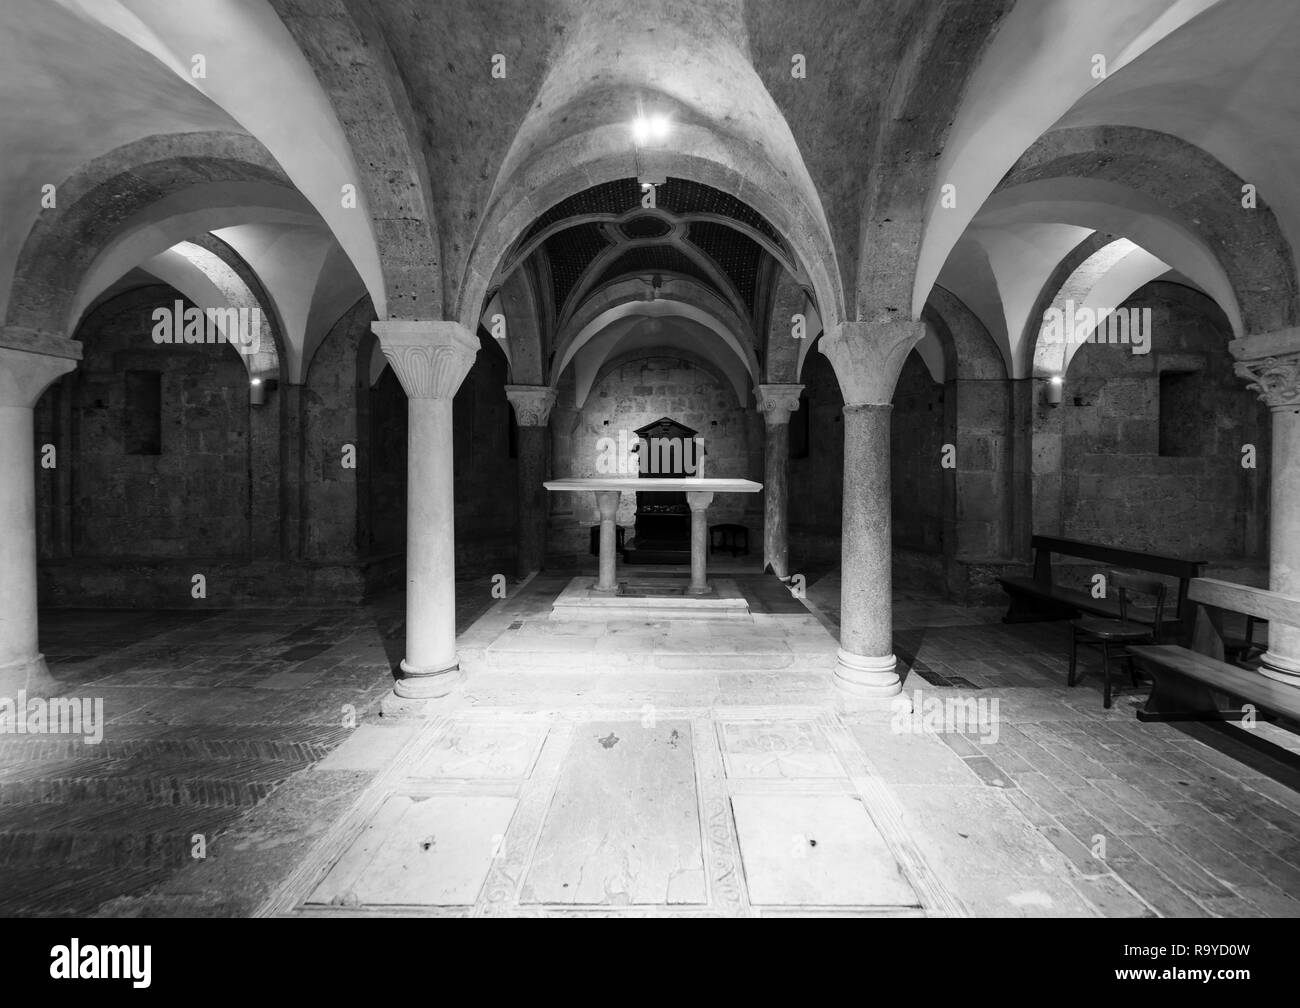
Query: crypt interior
[{"x": 963, "y": 339}]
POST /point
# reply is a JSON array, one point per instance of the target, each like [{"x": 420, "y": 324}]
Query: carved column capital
[
  {"x": 777, "y": 402},
  {"x": 1270, "y": 363},
  {"x": 532, "y": 404},
  {"x": 430, "y": 358},
  {"x": 868, "y": 357},
  {"x": 30, "y": 361},
  {"x": 699, "y": 500}
]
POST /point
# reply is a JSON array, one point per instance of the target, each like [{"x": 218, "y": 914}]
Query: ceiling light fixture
[{"x": 650, "y": 129}]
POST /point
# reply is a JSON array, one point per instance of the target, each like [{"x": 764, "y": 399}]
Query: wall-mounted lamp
[
  {"x": 258, "y": 388},
  {"x": 1055, "y": 386}
]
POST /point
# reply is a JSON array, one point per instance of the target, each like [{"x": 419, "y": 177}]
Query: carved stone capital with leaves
[
  {"x": 532, "y": 404},
  {"x": 1270, "y": 363},
  {"x": 430, "y": 358}
]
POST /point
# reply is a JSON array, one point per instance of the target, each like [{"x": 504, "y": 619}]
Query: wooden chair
[
  {"x": 732, "y": 539},
  {"x": 1117, "y": 634}
]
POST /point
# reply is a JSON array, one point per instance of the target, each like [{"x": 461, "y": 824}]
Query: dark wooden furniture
[
  {"x": 1039, "y": 597},
  {"x": 1112, "y": 636},
  {"x": 664, "y": 449},
  {"x": 1189, "y": 681},
  {"x": 729, "y": 538}
]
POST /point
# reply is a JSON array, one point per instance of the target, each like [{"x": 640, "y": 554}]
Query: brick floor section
[{"x": 207, "y": 715}]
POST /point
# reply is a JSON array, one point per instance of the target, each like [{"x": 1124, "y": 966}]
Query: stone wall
[
  {"x": 916, "y": 448},
  {"x": 191, "y": 499},
  {"x": 1100, "y": 474},
  {"x": 487, "y": 497},
  {"x": 639, "y": 392},
  {"x": 117, "y": 527},
  {"x": 817, "y": 480}
]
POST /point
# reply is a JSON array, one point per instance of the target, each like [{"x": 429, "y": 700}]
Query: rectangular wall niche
[
  {"x": 1182, "y": 417},
  {"x": 142, "y": 413}
]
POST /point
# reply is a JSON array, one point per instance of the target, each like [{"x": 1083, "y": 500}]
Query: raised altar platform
[{"x": 650, "y": 598}]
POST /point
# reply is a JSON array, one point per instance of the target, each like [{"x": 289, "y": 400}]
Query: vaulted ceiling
[{"x": 859, "y": 151}]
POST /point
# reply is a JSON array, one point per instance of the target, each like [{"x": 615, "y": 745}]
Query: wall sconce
[
  {"x": 258, "y": 388},
  {"x": 1055, "y": 386}
]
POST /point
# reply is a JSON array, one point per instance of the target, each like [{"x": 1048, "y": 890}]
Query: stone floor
[{"x": 618, "y": 769}]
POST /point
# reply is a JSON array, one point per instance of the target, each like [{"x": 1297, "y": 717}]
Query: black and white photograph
[{"x": 651, "y": 459}]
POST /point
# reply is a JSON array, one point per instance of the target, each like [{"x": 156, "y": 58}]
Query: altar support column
[
  {"x": 29, "y": 363},
  {"x": 776, "y": 403},
  {"x": 699, "y": 503},
  {"x": 1271, "y": 364},
  {"x": 532, "y": 405},
  {"x": 607, "y": 505},
  {"x": 430, "y": 359},
  {"x": 867, "y": 357}
]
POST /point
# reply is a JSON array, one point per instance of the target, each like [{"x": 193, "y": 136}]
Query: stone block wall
[
  {"x": 817, "y": 481},
  {"x": 192, "y": 499},
  {"x": 1099, "y": 472},
  {"x": 640, "y": 392}
]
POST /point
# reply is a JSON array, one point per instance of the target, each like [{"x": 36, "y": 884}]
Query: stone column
[
  {"x": 698, "y": 502},
  {"x": 29, "y": 363},
  {"x": 430, "y": 359},
  {"x": 1271, "y": 364},
  {"x": 776, "y": 403},
  {"x": 607, "y": 505},
  {"x": 532, "y": 405},
  {"x": 867, "y": 357}
]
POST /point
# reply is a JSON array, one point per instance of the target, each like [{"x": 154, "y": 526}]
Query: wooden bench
[
  {"x": 1187, "y": 680},
  {"x": 1039, "y": 597}
]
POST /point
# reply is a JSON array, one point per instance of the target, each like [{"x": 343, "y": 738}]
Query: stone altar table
[{"x": 699, "y": 495}]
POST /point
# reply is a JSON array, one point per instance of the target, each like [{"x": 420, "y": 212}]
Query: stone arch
[
  {"x": 975, "y": 355},
  {"x": 678, "y": 353},
  {"x": 357, "y": 71},
  {"x": 943, "y": 57},
  {"x": 99, "y": 198},
  {"x": 697, "y": 153},
  {"x": 1104, "y": 280},
  {"x": 664, "y": 307},
  {"x": 1198, "y": 190}
]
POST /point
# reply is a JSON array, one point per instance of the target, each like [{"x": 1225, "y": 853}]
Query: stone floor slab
[
  {"x": 821, "y": 850},
  {"x": 418, "y": 851},
  {"x": 624, "y": 825}
]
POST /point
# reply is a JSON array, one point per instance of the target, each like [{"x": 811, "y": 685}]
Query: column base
[
  {"x": 698, "y": 592},
  {"x": 1280, "y": 669},
  {"x": 595, "y": 586},
  {"x": 867, "y": 677},
  {"x": 427, "y": 684},
  {"x": 31, "y": 675}
]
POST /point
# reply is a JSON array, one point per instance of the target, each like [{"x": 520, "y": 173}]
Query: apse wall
[{"x": 640, "y": 392}]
